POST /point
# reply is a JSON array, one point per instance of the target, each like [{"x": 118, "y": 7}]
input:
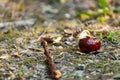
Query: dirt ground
[{"x": 22, "y": 57}]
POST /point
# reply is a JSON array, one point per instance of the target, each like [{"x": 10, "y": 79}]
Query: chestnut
[{"x": 88, "y": 43}]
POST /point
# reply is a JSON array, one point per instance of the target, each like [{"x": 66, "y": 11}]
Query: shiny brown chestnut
[{"x": 88, "y": 43}]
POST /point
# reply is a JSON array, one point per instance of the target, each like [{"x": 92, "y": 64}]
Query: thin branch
[{"x": 51, "y": 65}]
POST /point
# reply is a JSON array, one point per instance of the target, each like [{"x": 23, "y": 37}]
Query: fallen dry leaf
[
  {"x": 17, "y": 55},
  {"x": 5, "y": 56}
]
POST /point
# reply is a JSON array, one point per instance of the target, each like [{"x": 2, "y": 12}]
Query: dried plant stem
[
  {"x": 51, "y": 65},
  {"x": 76, "y": 33}
]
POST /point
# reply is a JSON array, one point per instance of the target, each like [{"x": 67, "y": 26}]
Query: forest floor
[{"x": 22, "y": 57}]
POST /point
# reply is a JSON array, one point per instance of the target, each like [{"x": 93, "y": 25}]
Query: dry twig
[{"x": 51, "y": 65}]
